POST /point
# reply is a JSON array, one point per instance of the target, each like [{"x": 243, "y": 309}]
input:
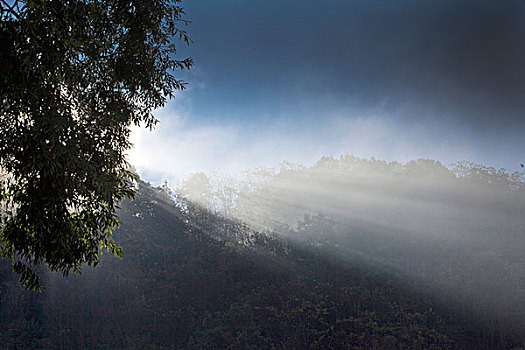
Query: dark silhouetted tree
[{"x": 74, "y": 76}]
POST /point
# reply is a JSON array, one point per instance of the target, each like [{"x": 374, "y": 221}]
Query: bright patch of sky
[{"x": 293, "y": 80}]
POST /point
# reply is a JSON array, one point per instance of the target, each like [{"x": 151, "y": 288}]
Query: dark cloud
[{"x": 461, "y": 58}]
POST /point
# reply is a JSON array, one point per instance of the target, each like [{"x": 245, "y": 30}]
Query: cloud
[
  {"x": 173, "y": 150},
  {"x": 460, "y": 59},
  {"x": 296, "y": 81},
  {"x": 177, "y": 148}
]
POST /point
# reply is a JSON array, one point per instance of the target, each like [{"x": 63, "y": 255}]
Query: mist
[
  {"x": 346, "y": 252},
  {"x": 426, "y": 96},
  {"x": 457, "y": 231},
  {"x": 336, "y": 174}
]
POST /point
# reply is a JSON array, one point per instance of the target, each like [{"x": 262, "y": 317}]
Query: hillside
[{"x": 191, "y": 279}]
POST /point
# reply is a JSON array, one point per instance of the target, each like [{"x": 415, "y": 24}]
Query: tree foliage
[{"x": 74, "y": 76}]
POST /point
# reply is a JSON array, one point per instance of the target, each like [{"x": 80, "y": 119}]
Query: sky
[{"x": 289, "y": 80}]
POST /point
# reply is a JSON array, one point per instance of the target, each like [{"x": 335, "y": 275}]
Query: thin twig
[{"x": 12, "y": 9}]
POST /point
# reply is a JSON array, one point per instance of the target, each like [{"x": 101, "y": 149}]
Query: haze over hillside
[
  {"x": 253, "y": 227},
  {"x": 346, "y": 253},
  {"x": 459, "y": 231}
]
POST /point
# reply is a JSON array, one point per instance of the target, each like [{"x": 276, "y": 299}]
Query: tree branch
[{"x": 14, "y": 10}]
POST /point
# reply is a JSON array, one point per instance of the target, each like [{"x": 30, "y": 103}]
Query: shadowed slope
[{"x": 190, "y": 279}]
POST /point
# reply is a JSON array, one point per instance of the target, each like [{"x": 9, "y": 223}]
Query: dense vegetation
[
  {"x": 193, "y": 278},
  {"x": 74, "y": 76}
]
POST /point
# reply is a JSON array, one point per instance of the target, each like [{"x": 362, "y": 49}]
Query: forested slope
[{"x": 193, "y": 279}]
